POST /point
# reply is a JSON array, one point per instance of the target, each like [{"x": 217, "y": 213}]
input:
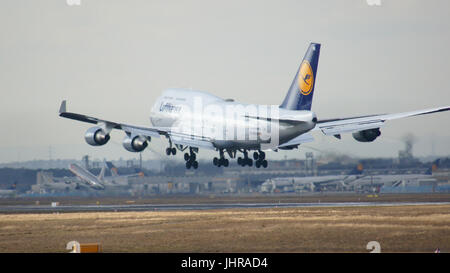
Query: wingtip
[{"x": 63, "y": 107}]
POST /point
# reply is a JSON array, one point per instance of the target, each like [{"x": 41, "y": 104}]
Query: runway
[{"x": 166, "y": 207}]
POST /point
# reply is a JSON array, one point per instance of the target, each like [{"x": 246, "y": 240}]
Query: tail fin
[
  {"x": 111, "y": 167},
  {"x": 102, "y": 173},
  {"x": 300, "y": 94}
]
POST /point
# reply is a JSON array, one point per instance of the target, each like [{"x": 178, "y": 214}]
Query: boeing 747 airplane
[{"x": 193, "y": 120}]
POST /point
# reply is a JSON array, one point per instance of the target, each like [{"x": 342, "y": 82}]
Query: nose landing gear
[{"x": 171, "y": 150}]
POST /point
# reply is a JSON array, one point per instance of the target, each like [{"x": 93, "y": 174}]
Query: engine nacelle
[
  {"x": 135, "y": 144},
  {"x": 368, "y": 135},
  {"x": 96, "y": 136}
]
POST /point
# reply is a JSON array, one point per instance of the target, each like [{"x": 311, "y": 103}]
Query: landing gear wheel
[
  {"x": 195, "y": 164},
  {"x": 186, "y": 157},
  {"x": 255, "y": 155},
  {"x": 262, "y": 155},
  {"x": 239, "y": 161},
  {"x": 250, "y": 162},
  {"x": 188, "y": 165},
  {"x": 226, "y": 162},
  {"x": 264, "y": 163},
  {"x": 170, "y": 151},
  {"x": 216, "y": 161},
  {"x": 258, "y": 164}
]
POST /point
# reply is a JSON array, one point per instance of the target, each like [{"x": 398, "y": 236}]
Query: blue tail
[{"x": 300, "y": 94}]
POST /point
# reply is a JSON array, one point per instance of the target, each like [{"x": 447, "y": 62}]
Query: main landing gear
[
  {"x": 190, "y": 159},
  {"x": 222, "y": 161},
  {"x": 245, "y": 161},
  {"x": 260, "y": 159}
]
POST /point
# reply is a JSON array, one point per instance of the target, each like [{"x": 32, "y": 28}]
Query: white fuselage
[
  {"x": 228, "y": 124},
  {"x": 86, "y": 176}
]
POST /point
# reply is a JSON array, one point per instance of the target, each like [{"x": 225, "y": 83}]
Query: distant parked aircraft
[{"x": 101, "y": 181}]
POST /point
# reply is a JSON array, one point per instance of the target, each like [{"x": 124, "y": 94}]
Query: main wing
[
  {"x": 354, "y": 124},
  {"x": 175, "y": 137}
]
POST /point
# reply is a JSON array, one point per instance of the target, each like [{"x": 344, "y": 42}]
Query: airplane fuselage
[{"x": 228, "y": 124}]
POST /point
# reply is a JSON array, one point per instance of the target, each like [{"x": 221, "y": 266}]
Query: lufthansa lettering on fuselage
[{"x": 169, "y": 107}]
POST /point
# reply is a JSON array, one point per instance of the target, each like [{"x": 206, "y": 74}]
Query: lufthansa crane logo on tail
[{"x": 305, "y": 78}]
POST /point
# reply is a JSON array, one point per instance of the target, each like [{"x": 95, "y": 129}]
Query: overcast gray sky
[{"x": 111, "y": 59}]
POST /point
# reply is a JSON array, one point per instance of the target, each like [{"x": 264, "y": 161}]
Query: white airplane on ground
[
  {"x": 86, "y": 176},
  {"x": 101, "y": 181},
  {"x": 192, "y": 119},
  {"x": 7, "y": 192},
  {"x": 394, "y": 180}
]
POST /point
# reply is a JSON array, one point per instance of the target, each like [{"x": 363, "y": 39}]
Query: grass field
[{"x": 348, "y": 229}]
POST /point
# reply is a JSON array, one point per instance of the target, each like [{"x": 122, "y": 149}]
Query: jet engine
[
  {"x": 368, "y": 135},
  {"x": 96, "y": 136},
  {"x": 135, "y": 144}
]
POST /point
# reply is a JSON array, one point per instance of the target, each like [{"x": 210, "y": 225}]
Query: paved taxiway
[{"x": 153, "y": 207}]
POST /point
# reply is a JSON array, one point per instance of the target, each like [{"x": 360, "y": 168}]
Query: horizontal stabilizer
[
  {"x": 304, "y": 138},
  {"x": 333, "y": 130}
]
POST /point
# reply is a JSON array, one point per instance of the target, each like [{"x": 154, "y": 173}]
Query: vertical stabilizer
[{"x": 300, "y": 94}]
